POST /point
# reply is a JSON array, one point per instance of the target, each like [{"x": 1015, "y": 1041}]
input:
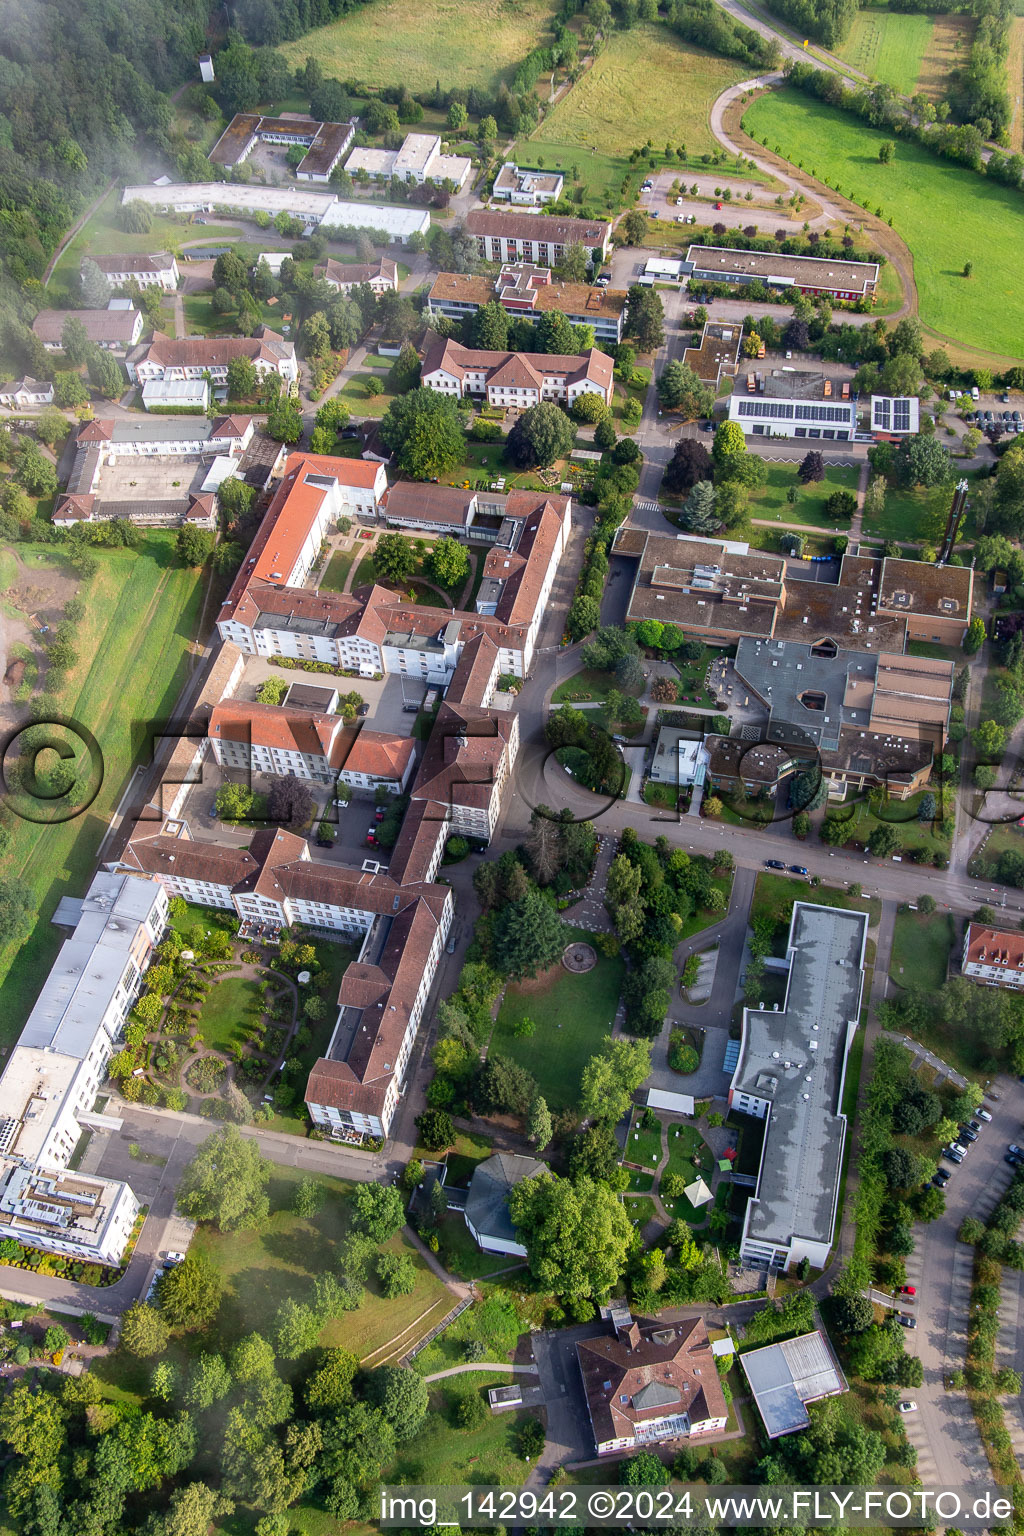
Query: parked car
[
  {"x": 1014, "y": 1162},
  {"x": 907, "y": 1290},
  {"x": 967, "y": 1134},
  {"x": 954, "y": 1153},
  {"x": 983, "y": 1114},
  {"x": 905, "y": 1321},
  {"x": 942, "y": 1176},
  {"x": 1017, "y": 1151},
  {"x": 175, "y": 1258},
  {"x": 774, "y": 864},
  {"x": 964, "y": 1146},
  {"x": 371, "y": 837},
  {"x": 908, "y": 1407},
  {"x": 797, "y": 869},
  {"x": 718, "y": 205},
  {"x": 653, "y": 213}
]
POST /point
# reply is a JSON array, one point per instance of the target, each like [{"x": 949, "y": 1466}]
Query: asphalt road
[{"x": 943, "y": 1428}]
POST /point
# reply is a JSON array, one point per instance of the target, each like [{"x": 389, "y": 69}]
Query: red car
[
  {"x": 371, "y": 837},
  {"x": 718, "y": 205},
  {"x": 907, "y": 1290}
]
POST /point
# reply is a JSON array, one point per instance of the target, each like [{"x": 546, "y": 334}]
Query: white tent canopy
[{"x": 697, "y": 1193}]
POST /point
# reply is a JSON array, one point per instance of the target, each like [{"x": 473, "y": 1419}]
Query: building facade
[
  {"x": 838, "y": 278},
  {"x": 379, "y": 276},
  {"x": 115, "y": 330},
  {"x": 994, "y": 956},
  {"x": 526, "y": 188},
  {"x": 790, "y": 1073},
  {"x": 527, "y": 291},
  {"x": 515, "y": 379},
  {"x": 156, "y": 271},
  {"x": 418, "y": 160},
  {"x": 54, "y": 1073},
  {"x": 167, "y": 359},
  {"x": 540, "y": 238}
]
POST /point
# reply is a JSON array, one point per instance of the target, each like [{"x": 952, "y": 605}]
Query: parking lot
[{"x": 990, "y": 411}]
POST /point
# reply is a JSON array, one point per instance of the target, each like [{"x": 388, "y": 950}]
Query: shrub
[{"x": 681, "y": 1055}]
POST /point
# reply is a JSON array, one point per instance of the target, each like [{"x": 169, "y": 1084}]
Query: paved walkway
[{"x": 484, "y": 1365}]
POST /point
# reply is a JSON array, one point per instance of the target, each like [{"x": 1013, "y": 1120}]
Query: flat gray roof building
[
  {"x": 790, "y": 1072},
  {"x": 785, "y": 1377}
]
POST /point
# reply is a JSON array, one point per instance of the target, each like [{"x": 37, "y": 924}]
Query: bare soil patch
[{"x": 949, "y": 47}]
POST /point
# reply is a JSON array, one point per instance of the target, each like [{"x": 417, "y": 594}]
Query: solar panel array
[
  {"x": 780, "y": 410},
  {"x": 890, "y": 414}
]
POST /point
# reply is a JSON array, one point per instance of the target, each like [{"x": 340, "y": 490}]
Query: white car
[
  {"x": 175, "y": 1258},
  {"x": 908, "y": 1407},
  {"x": 983, "y": 1114}
]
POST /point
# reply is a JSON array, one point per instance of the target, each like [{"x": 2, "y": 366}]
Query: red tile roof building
[
  {"x": 994, "y": 956},
  {"x": 192, "y": 357},
  {"x": 651, "y": 1382},
  {"x": 381, "y": 276},
  {"x": 518, "y": 379}
]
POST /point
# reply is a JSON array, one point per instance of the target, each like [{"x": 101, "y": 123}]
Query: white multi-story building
[
  {"x": 790, "y": 1073},
  {"x": 515, "y": 379},
  {"x": 26, "y": 392},
  {"x": 52, "y": 1076},
  {"x": 537, "y": 237},
  {"x": 379, "y": 276},
  {"x": 156, "y": 271},
  {"x": 135, "y": 436},
  {"x": 994, "y": 956},
  {"x": 114, "y": 329},
  {"x": 418, "y": 160},
  {"x": 526, "y": 188},
  {"x": 264, "y": 738},
  {"x": 193, "y": 358}
]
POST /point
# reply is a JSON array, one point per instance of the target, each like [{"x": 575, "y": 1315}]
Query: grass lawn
[
  {"x": 646, "y": 84},
  {"x": 587, "y": 686},
  {"x": 263, "y": 1266},
  {"x": 692, "y": 675},
  {"x": 573, "y": 1015},
  {"x": 941, "y": 210},
  {"x": 356, "y": 396},
  {"x": 460, "y": 1255},
  {"x": 102, "y": 233},
  {"x": 889, "y": 47},
  {"x": 416, "y": 42},
  {"x": 920, "y": 949},
  {"x": 338, "y": 567},
  {"x": 232, "y": 1005},
  {"x": 445, "y": 1456},
  {"x": 142, "y": 612},
  {"x": 640, "y": 1183},
  {"x": 769, "y": 500},
  {"x": 774, "y": 896},
  {"x": 1002, "y": 838},
  {"x": 866, "y": 814},
  {"x": 643, "y": 1146},
  {"x": 704, "y": 919},
  {"x": 640, "y": 1209},
  {"x": 685, "y": 1147},
  {"x": 917, "y": 515}
]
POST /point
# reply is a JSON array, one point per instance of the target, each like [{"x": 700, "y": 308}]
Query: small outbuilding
[
  {"x": 487, "y": 1214},
  {"x": 785, "y": 1377}
]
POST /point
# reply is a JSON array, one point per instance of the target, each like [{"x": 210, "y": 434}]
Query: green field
[
  {"x": 282, "y": 1257},
  {"x": 333, "y": 579},
  {"x": 888, "y": 47},
  {"x": 397, "y": 42},
  {"x": 102, "y": 234},
  {"x": 142, "y": 610},
  {"x": 917, "y": 515},
  {"x": 769, "y": 503},
  {"x": 947, "y": 215},
  {"x": 646, "y": 84},
  {"x": 231, "y": 1006},
  {"x": 573, "y": 1015},
  {"x": 920, "y": 949}
]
